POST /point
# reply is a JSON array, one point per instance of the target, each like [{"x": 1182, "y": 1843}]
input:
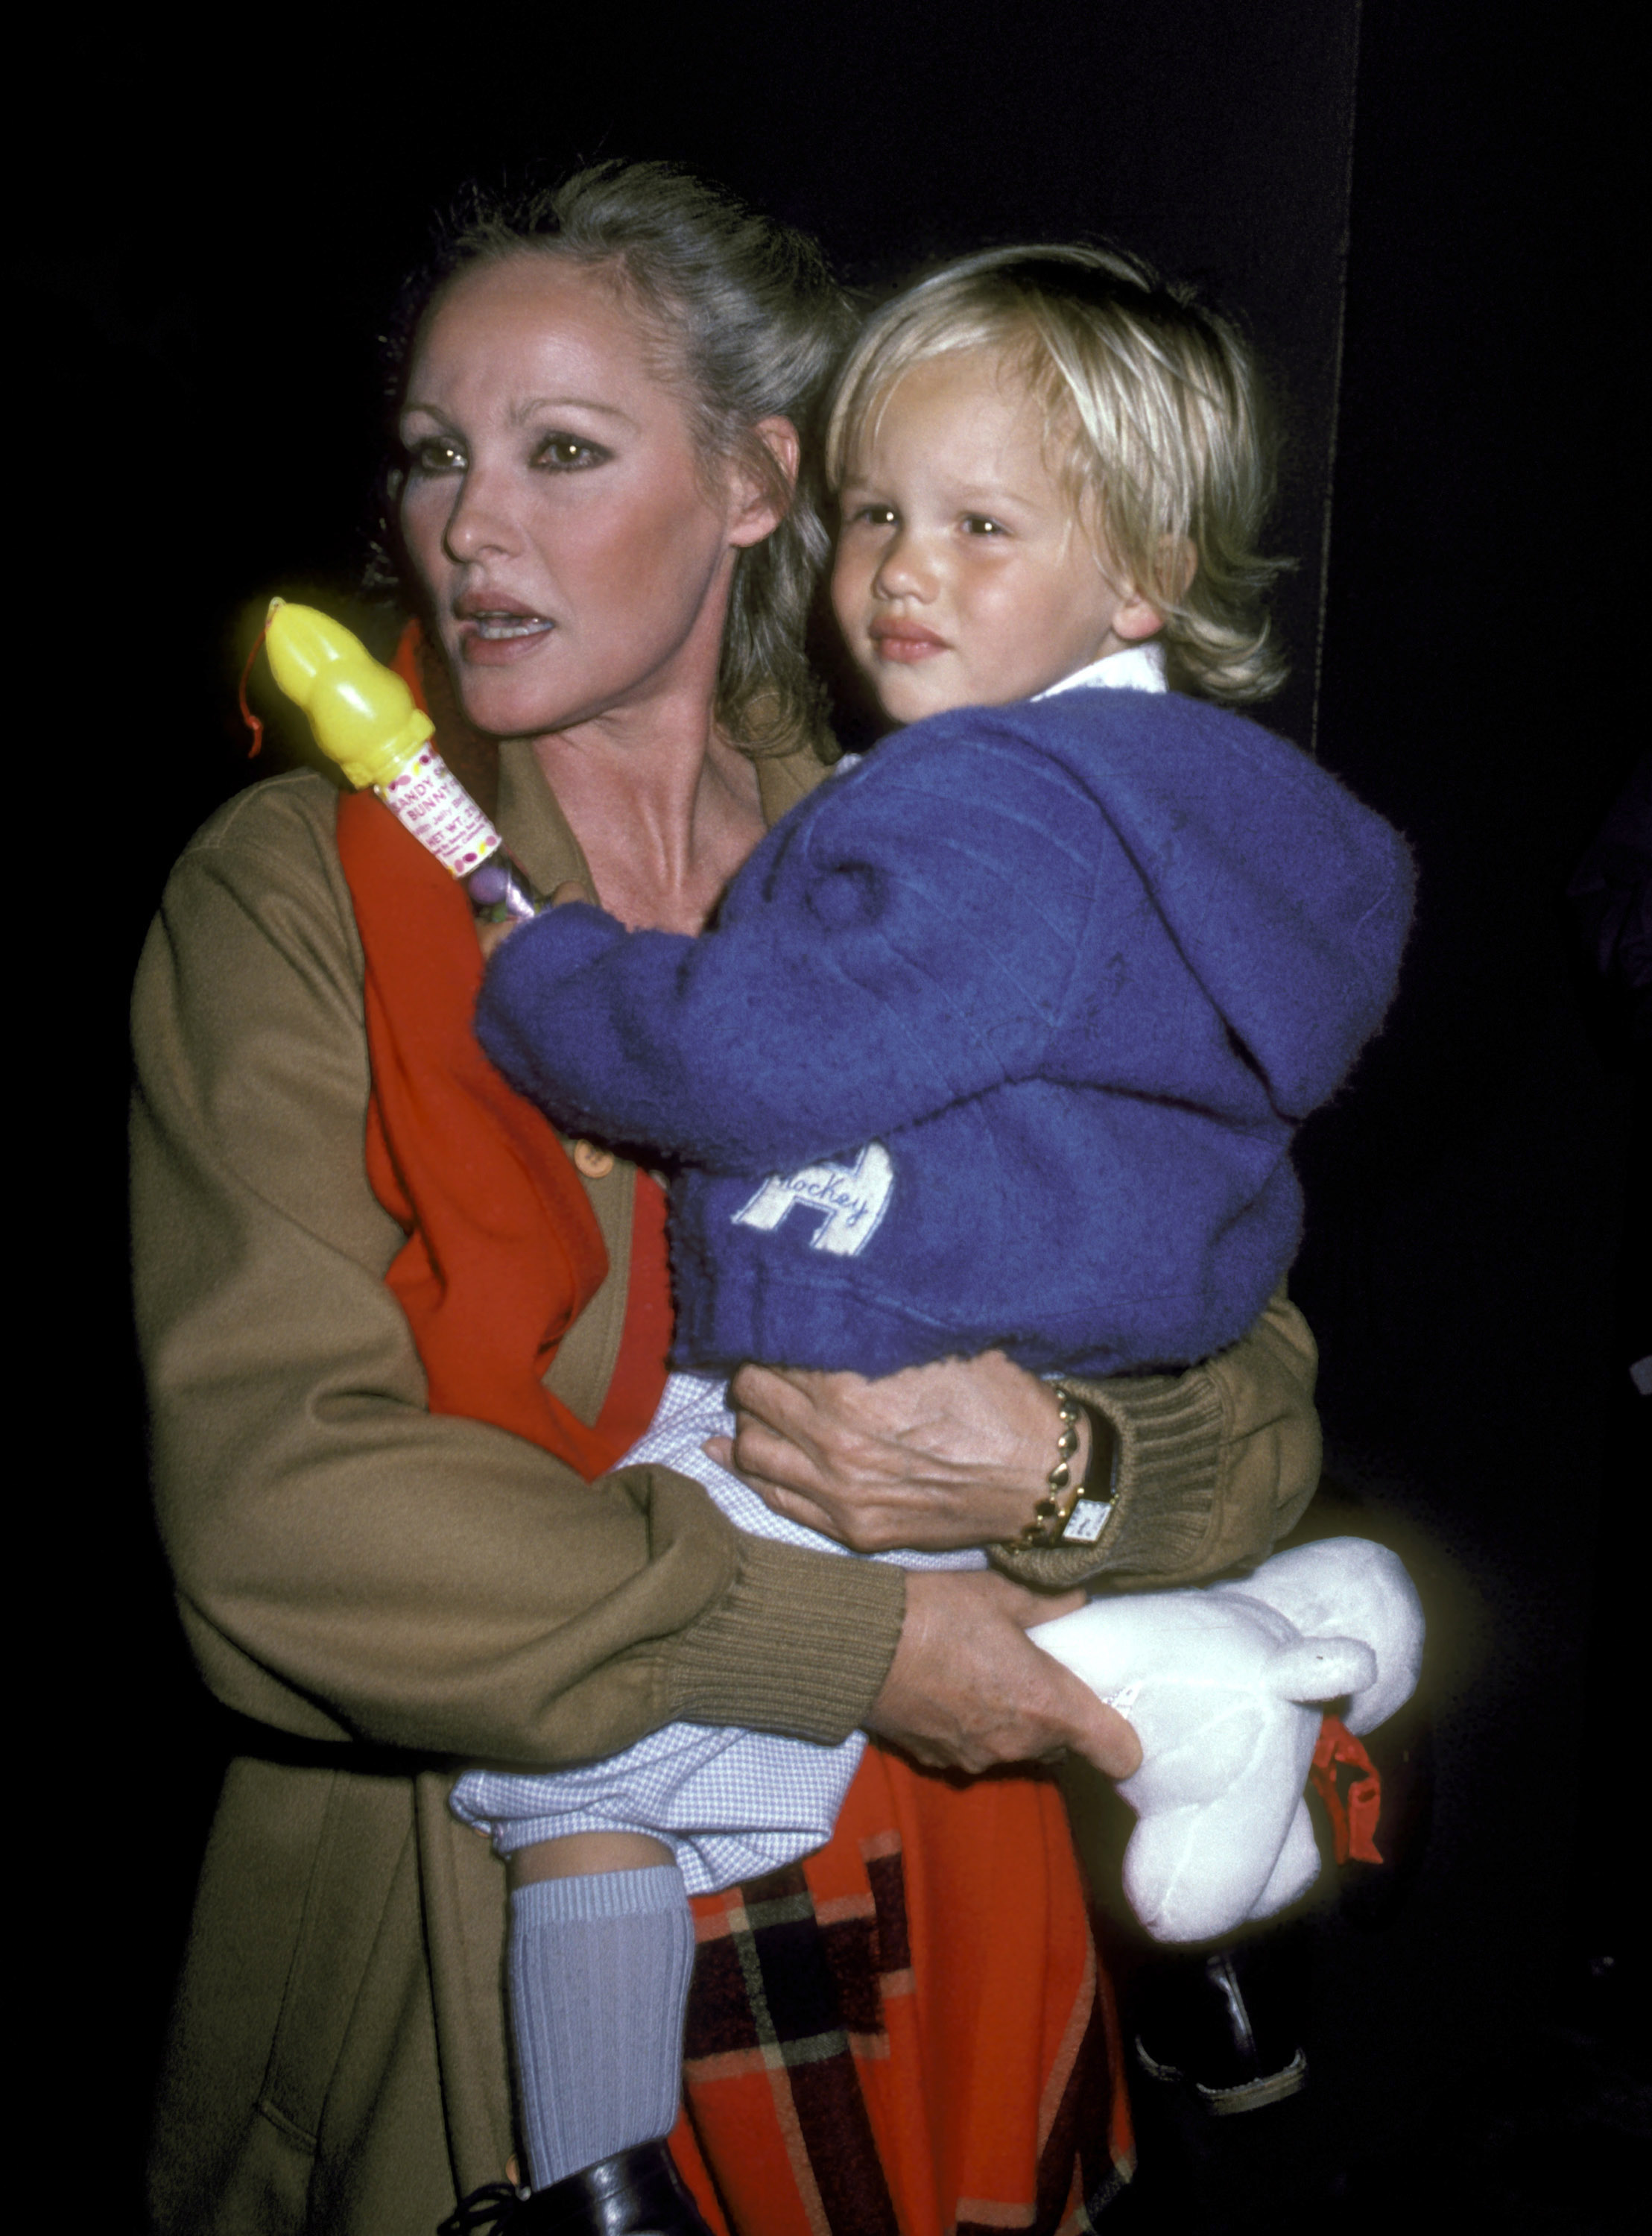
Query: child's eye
[
  {"x": 564, "y": 454},
  {"x": 980, "y": 524},
  {"x": 874, "y": 515},
  {"x": 435, "y": 454}
]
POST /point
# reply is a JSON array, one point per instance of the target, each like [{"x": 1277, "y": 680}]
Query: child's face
[{"x": 963, "y": 577}]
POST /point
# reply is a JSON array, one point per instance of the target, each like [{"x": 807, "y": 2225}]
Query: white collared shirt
[{"x": 1139, "y": 667}]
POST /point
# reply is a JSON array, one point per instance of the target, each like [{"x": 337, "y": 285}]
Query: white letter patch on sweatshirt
[{"x": 852, "y": 1197}]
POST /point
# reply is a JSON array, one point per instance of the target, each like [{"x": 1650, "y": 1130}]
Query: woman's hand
[
  {"x": 937, "y": 1456},
  {"x": 967, "y": 1690}
]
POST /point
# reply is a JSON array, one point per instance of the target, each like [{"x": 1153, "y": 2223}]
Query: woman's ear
[{"x": 763, "y": 487}]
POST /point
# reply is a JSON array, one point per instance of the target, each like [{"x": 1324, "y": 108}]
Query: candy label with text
[{"x": 435, "y": 807}]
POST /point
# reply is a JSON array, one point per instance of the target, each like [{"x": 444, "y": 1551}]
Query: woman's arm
[
  {"x": 1213, "y": 1465},
  {"x": 348, "y": 1564}
]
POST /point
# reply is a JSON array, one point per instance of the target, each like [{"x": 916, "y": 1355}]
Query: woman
[{"x": 396, "y": 1335}]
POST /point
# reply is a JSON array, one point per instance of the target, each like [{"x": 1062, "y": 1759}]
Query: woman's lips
[
  {"x": 499, "y": 638},
  {"x": 906, "y": 641}
]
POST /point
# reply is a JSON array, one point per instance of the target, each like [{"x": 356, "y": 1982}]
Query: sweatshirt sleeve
[
  {"x": 349, "y": 1565},
  {"x": 876, "y": 962},
  {"x": 1149, "y": 897},
  {"x": 1214, "y": 1465}
]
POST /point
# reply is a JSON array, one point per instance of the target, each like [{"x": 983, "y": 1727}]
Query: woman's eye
[
  {"x": 435, "y": 454},
  {"x": 563, "y": 453}
]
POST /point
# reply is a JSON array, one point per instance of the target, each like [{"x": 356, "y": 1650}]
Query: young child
[{"x": 1000, "y": 1039}]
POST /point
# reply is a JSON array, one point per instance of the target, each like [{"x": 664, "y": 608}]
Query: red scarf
[
  {"x": 503, "y": 1251},
  {"x": 905, "y": 2035}
]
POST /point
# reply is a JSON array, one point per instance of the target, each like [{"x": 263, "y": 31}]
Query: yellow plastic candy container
[
  {"x": 362, "y": 713},
  {"x": 364, "y": 719}
]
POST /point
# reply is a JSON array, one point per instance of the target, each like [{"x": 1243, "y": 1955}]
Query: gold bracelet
[{"x": 1060, "y": 1492}]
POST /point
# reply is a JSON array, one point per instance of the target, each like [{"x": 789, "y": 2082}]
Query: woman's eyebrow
[
  {"x": 519, "y": 414},
  {"x": 530, "y": 404}
]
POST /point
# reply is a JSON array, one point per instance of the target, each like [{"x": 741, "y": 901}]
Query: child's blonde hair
[{"x": 1152, "y": 411}]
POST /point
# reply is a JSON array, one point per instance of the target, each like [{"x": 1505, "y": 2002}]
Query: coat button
[{"x": 596, "y": 1164}]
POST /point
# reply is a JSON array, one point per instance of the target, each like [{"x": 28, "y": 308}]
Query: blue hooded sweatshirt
[{"x": 1000, "y": 1039}]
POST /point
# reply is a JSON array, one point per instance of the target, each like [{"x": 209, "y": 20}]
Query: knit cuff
[
  {"x": 1170, "y": 1430},
  {"x": 800, "y": 1643}
]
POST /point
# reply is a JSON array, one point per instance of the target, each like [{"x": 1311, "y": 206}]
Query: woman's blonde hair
[
  {"x": 1153, "y": 417},
  {"x": 750, "y": 324}
]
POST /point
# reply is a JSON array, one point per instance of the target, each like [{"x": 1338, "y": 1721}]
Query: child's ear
[
  {"x": 1178, "y": 562},
  {"x": 1138, "y": 618},
  {"x": 763, "y": 488}
]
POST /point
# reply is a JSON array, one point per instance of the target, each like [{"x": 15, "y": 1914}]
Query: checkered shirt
[{"x": 731, "y": 1804}]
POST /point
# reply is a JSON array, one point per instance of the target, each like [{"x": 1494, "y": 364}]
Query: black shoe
[
  {"x": 1227, "y": 2023},
  {"x": 492, "y": 2207},
  {"x": 635, "y": 2193}
]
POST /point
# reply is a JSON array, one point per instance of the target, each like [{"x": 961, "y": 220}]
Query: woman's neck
[{"x": 664, "y": 808}]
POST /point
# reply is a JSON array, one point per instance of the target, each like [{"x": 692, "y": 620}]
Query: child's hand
[{"x": 490, "y": 935}]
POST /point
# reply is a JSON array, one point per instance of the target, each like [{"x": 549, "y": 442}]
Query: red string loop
[{"x": 247, "y": 715}]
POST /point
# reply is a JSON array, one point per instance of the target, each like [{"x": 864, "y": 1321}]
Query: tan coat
[{"x": 396, "y": 1593}]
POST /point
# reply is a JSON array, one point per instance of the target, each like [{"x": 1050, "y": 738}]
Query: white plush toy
[{"x": 1222, "y": 1685}]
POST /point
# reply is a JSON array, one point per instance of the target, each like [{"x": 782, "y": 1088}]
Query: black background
[{"x": 210, "y": 232}]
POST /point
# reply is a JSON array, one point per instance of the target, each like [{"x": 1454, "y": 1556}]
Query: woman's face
[{"x": 576, "y": 551}]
